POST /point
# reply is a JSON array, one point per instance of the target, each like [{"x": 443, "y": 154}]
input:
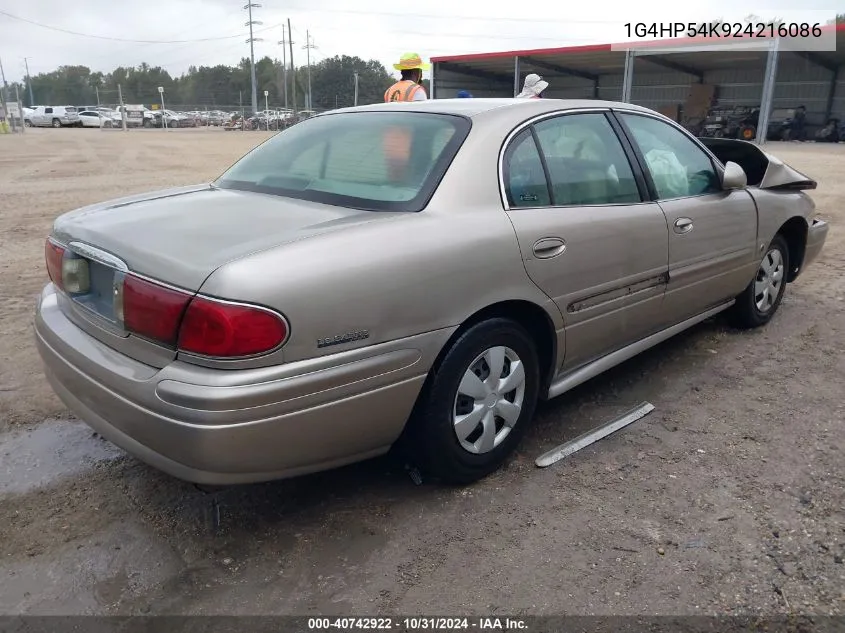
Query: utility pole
[
  {"x": 6, "y": 112},
  {"x": 308, "y": 46},
  {"x": 283, "y": 43},
  {"x": 356, "y": 88},
  {"x": 29, "y": 82},
  {"x": 292, "y": 69},
  {"x": 250, "y": 41}
]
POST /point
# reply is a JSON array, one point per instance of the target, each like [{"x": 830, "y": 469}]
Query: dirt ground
[{"x": 728, "y": 498}]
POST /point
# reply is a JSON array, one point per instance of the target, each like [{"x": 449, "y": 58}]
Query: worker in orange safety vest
[{"x": 409, "y": 88}]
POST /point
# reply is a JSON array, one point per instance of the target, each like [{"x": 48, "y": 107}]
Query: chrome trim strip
[
  {"x": 619, "y": 292},
  {"x": 593, "y": 369},
  {"x": 98, "y": 255}
]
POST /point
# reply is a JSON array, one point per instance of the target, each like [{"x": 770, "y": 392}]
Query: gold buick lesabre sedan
[{"x": 414, "y": 275}]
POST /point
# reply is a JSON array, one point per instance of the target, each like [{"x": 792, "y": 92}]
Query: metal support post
[
  {"x": 356, "y": 89},
  {"x": 517, "y": 88},
  {"x": 628, "y": 76},
  {"x": 431, "y": 81},
  {"x": 122, "y": 107},
  {"x": 20, "y": 108},
  {"x": 831, "y": 95},
  {"x": 767, "y": 97}
]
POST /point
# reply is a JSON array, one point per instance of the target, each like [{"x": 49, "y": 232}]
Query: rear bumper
[
  {"x": 816, "y": 236},
  {"x": 225, "y": 427}
]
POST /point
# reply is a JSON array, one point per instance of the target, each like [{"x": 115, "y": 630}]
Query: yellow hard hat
[{"x": 411, "y": 61}]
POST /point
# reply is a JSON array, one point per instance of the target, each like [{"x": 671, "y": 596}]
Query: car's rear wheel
[
  {"x": 477, "y": 403},
  {"x": 57, "y": 123},
  {"x": 760, "y": 300}
]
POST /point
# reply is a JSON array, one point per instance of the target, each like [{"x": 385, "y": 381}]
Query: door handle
[
  {"x": 683, "y": 225},
  {"x": 548, "y": 247}
]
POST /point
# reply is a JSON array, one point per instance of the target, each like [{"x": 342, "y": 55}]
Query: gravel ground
[{"x": 729, "y": 498}]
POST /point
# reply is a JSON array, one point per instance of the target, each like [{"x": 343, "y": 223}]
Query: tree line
[{"x": 213, "y": 87}]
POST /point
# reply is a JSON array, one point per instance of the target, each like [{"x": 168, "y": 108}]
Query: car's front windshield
[{"x": 379, "y": 161}]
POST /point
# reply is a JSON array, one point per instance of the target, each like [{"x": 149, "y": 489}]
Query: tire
[
  {"x": 108, "y": 124},
  {"x": 27, "y": 123},
  {"x": 433, "y": 439},
  {"x": 57, "y": 123},
  {"x": 147, "y": 123},
  {"x": 747, "y": 312}
]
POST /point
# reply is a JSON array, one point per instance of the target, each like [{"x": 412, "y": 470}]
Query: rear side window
[
  {"x": 379, "y": 161},
  {"x": 48, "y": 110},
  {"x": 525, "y": 180},
  {"x": 586, "y": 162}
]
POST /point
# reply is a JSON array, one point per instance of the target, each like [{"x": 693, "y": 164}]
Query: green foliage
[{"x": 332, "y": 84}]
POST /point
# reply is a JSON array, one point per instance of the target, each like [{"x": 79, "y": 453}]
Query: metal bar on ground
[{"x": 584, "y": 440}]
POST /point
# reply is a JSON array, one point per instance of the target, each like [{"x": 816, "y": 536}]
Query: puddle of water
[
  {"x": 96, "y": 575},
  {"x": 53, "y": 450}
]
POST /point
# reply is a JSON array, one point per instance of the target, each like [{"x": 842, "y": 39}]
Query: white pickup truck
[{"x": 52, "y": 116}]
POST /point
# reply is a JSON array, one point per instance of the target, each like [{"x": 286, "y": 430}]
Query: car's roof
[{"x": 475, "y": 107}]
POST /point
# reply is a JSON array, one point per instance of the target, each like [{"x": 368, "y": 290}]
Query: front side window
[
  {"x": 678, "y": 167},
  {"x": 586, "y": 162},
  {"x": 378, "y": 161}
]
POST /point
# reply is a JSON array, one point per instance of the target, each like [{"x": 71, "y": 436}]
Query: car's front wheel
[
  {"x": 477, "y": 402},
  {"x": 760, "y": 300}
]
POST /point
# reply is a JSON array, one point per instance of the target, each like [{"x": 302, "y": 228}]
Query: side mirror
[{"x": 734, "y": 176}]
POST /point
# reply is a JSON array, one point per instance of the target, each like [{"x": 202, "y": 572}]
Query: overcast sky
[{"x": 366, "y": 28}]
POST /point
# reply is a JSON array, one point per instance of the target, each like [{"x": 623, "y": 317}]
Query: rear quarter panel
[{"x": 405, "y": 276}]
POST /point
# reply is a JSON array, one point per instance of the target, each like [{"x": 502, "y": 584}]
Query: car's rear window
[{"x": 379, "y": 161}]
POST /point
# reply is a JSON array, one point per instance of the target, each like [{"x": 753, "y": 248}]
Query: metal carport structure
[{"x": 759, "y": 72}]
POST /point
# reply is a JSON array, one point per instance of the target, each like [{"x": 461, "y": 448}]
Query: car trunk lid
[{"x": 177, "y": 238}]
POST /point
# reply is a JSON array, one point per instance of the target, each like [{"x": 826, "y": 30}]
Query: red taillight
[
  {"x": 220, "y": 329},
  {"x": 151, "y": 310},
  {"x": 54, "y": 255}
]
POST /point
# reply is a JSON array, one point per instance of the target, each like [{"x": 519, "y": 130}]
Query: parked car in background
[
  {"x": 166, "y": 118},
  {"x": 414, "y": 276},
  {"x": 53, "y": 116},
  {"x": 93, "y": 118}
]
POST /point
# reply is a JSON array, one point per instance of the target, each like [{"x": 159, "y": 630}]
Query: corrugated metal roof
[{"x": 602, "y": 59}]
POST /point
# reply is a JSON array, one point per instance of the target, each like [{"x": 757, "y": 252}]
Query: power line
[
  {"x": 472, "y": 18},
  {"x": 120, "y": 39}
]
